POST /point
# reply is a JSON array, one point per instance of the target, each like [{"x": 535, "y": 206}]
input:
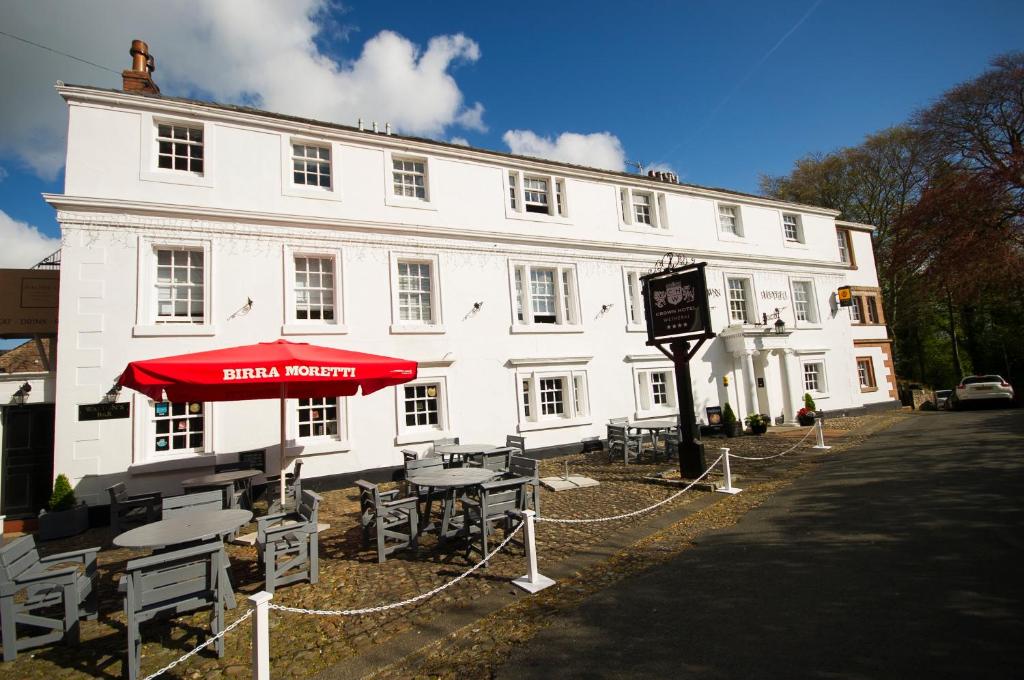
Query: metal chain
[
  {"x": 792, "y": 448},
  {"x": 395, "y": 605},
  {"x": 635, "y": 512},
  {"x": 195, "y": 651}
]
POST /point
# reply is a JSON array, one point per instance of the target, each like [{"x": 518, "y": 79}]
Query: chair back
[
  {"x": 618, "y": 421},
  {"x": 369, "y": 500},
  {"x": 500, "y": 496},
  {"x": 421, "y": 464},
  {"x": 495, "y": 459},
  {"x": 616, "y": 433},
  {"x": 446, "y": 441},
  {"x": 521, "y": 466},
  {"x": 118, "y": 493},
  {"x": 516, "y": 442},
  {"x": 175, "y": 506},
  {"x": 17, "y": 557},
  {"x": 309, "y": 508},
  {"x": 181, "y": 579},
  {"x": 409, "y": 454}
]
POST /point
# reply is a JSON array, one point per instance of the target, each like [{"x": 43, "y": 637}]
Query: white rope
[
  {"x": 395, "y": 605},
  {"x": 792, "y": 448},
  {"x": 635, "y": 512},
  {"x": 195, "y": 651}
]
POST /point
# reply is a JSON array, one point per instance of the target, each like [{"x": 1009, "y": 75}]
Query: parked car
[
  {"x": 976, "y": 388},
  {"x": 942, "y": 399}
]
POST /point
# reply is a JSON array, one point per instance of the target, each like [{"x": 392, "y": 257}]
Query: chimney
[{"x": 139, "y": 78}]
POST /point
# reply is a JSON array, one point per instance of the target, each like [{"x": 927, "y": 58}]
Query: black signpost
[{"x": 676, "y": 302}]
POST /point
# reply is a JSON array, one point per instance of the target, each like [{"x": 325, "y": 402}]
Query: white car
[{"x": 982, "y": 388}]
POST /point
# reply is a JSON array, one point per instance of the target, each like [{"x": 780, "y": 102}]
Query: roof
[
  {"x": 24, "y": 358},
  {"x": 424, "y": 140}
]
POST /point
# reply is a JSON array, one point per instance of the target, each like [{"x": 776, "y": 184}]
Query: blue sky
[{"x": 706, "y": 88}]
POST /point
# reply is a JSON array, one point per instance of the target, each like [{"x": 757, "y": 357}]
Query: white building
[{"x": 512, "y": 280}]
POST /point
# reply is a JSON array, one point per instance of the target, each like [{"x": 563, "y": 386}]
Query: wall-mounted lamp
[
  {"x": 21, "y": 394},
  {"x": 605, "y": 308},
  {"x": 477, "y": 306},
  {"x": 112, "y": 394},
  {"x": 780, "y": 327}
]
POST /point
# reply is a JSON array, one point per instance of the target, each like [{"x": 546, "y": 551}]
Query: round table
[
  {"x": 187, "y": 527},
  {"x": 224, "y": 481},
  {"x": 456, "y": 452},
  {"x": 655, "y": 427},
  {"x": 447, "y": 480}
]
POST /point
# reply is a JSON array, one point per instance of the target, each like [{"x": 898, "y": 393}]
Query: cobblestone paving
[{"x": 351, "y": 578}]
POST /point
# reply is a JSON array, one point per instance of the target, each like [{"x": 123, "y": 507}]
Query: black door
[{"x": 27, "y": 459}]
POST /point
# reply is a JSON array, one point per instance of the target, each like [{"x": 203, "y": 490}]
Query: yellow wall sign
[{"x": 845, "y": 296}]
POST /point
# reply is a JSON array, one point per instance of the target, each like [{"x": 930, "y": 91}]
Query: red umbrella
[{"x": 267, "y": 370}]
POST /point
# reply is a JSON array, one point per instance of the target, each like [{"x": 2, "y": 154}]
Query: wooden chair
[
  {"x": 516, "y": 442},
  {"x": 242, "y": 496},
  {"x": 392, "y": 521},
  {"x": 174, "y": 506},
  {"x": 488, "y": 504},
  {"x": 143, "y": 507},
  {"x": 30, "y": 584},
  {"x": 409, "y": 454},
  {"x": 292, "y": 490},
  {"x": 621, "y": 443},
  {"x": 288, "y": 544},
  {"x": 528, "y": 468},
  {"x": 173, "y": 582},
  {"x": 495, "y": 459},
  {"x": 446, "y": 441}
]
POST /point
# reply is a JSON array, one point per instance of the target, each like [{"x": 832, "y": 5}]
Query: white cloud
[
  {"x": 461, "y": 141},
  {"x": 258, "y": 52},
  {"x": 24, "y": 245},
  {"x": 595, "y": 150}
]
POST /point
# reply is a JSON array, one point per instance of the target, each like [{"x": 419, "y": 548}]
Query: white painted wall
[{"x": 248, "y": 217}]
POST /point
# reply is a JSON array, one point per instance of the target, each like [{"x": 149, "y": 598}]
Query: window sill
[
  {"x": 300, "y": 191},
  {"x": 730, "y": 238},
  {"x": 636, "y": 328},
  {"x": 421, "y": 437},
  {"x": 646, "y": 229},
  {"x": 171, "y": 330},
  {"x": 868, "y": 389},
  {"x": 806, "y": 326},
  {"x": 414, "y": 329},
  {"x": 318, "y": 446},
  {"x": 193, "y": 462},
  {"x": 554, "y": 423},
  {"x": 314, "y": 329},
  {"x": 799, "y": 245},
  {"x": 545, "y": 328},
  {"x": 536, "y": 217},
  {"x": 414, "y": 203},
  {"x": 176, "y": 177}
]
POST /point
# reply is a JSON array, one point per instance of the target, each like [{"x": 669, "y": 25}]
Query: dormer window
[
  {"x": 792, "y": 229},
  {"x": 729, "y": 219},
  {"x": 642, "y": 209},
  {"x": 536, "y": 195},
  {"x": 180, "y": 147}
]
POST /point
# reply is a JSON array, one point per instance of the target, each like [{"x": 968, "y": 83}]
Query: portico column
[
  {"x": 793, "y": 394},
  {"x": 751, "y": 380}
]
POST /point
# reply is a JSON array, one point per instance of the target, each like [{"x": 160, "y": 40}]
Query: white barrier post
[
  {"x": 533, "y": 581},
  {"x": 727, "y": 473},
  {"x": 820, "y": 431},
  {"x": 260, "y": 635}
]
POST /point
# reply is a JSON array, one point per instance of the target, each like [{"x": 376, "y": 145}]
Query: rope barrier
[
  {"x": 777, "y": 455},
  {"x": 395, "y": 605},
  {"x": 195, "y": 651},
  {"x": 635, "y": 512}
]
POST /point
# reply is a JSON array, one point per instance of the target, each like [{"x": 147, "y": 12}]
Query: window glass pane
[{"x": 738, "y": 300}]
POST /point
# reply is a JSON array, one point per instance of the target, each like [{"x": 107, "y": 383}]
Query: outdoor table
[
  {"x": 655, "y": 427},
  {"x": 462, "y": 451},
  {"x": 186, "y": 528},
  {"x": 448, "y": 480},
  {"x": 225, "y": 481}
]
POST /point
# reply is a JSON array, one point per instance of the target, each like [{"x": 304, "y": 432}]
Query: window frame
[
  {"x": 812, "y": 302},
  {"x": 636, "y": 314},
  {"x": 643, "y": 391},
  {"x": 146, "y": 320},
  {"x": 847, "y": 235},
  {"x": 417, "y": 434},
  {"x": 739, "y": 234},
  {"x": 823, "y": 385},
  {"x": 523, "y": 297},
  {"x": 398, "y": 325},
  {"x": 801, "y": 237},
  {"x": 288, "y": 185},
  {"x": 149, "y": 170},
  {"x": 317, "y": 444},
  {"x": 872, "y": 385},
  {"x": 627, "y": 211},
  {"x": 750, "y": 303},
  {"x": 513, "y": 183},
  {"x": 144, "y": 433},
  {"x": 429, "y": 202},
  {"x": 292, "y": 326},
  {"x": 575, "y": 399}
]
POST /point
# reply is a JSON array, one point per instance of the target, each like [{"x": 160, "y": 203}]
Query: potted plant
[
  {"x": 757, "y": 423},
  {"x": 805, "y": 416},
  {"x": 730, "y": 425},
  {"x": 65, "y": 517}
]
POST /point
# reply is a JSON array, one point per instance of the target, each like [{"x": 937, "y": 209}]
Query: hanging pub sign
[
  {"x": 845, "y": 296},
  {"x": 676, "y": 302}
]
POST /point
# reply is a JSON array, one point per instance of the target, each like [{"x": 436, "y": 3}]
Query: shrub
[
  {"x": 63, "y": 497},
  {"x": 728, "y": 417},
  {"x": 755, "y": 419},
  {"x": 809, "y": 402}
]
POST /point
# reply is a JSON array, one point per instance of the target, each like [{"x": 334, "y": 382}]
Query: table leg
[{"x": 446, "y": 517}]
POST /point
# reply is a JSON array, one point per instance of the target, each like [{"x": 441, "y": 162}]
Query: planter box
[
  {"x": 63, "y": 523},
  {"x": 805, "y": 420}
]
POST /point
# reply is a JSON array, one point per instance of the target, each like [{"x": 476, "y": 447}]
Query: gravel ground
[{"x": 351, "y": 578}]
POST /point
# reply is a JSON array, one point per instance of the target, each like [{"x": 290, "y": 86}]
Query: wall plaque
[{"x": 105, "y": 411}]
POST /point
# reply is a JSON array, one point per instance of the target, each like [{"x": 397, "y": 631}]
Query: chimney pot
[
  {"x": 375, "y": 126},
  {"x": 139, "y": 78}
]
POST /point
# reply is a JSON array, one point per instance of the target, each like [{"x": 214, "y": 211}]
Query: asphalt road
[{"x": 897, "y": 559}]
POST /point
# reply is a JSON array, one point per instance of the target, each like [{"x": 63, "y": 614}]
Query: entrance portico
[{"x": 766, "y": 350}]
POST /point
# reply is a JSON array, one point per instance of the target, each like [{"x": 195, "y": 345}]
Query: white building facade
[{"x": 513, "y": 281}]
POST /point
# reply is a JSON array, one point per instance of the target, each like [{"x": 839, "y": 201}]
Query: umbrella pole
[{"x": 283, "y": 413}]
